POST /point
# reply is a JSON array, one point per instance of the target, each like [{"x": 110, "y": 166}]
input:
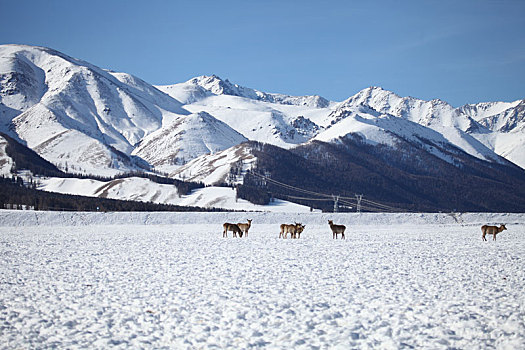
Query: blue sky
[{"x": 460, "y": 51}]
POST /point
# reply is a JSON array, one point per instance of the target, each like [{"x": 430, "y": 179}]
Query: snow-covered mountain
[
  {"x": 381, "y": 117},
  {"x": 278, "y": 119},
  {"x": 186, "y": 138},
  {"x": 506, "y": 123},
  {"x": 68, "y": 110},
  {"x": 88, "y": 120},
  {"x": 288, "y": 124}
]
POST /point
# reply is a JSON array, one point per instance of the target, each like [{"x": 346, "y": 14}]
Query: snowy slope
[
  {"x": 380, "y": 128},
  {"x": 69, "y": 110},
  {"x": 435, "y": 116},
  {"x": 186, "y": 138},
  {"x": 216, "y": 168},
  {"x": 133, "y": 188},
  {"x": 281, "y": 125},
  {"x": 278, "y": 119},
  {"x": 508, "y": 131},
  {"x": 6, "y": 163},
  {"x": 480, "y": 111},
  {"x": 169, "y": 280},
  {"x": 144, "y": 190}
]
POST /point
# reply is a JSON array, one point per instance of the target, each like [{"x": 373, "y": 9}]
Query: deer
[
  {"x": 231, "y": 227},
  {"x": 491, "y": 230},
  {"x": 245, "y": 227},
  {"x": 292, "y": 229},
  {"x": 337, "y": 229},
  {"x": 300, "y": 228}
]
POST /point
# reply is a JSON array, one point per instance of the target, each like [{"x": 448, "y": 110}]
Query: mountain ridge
[{"x": 94, "y": 121}]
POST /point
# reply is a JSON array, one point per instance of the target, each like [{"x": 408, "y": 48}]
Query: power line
[
  {"x": 308, "y": 199},
  {"x": 291, "y": 187},
  {"x": 357, "y": 201}
]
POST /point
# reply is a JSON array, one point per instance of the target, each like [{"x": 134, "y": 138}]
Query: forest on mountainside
[{"x": 416, "y": 181}]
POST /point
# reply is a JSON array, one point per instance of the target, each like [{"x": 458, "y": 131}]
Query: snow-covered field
[{"x": 169, "y": 280}]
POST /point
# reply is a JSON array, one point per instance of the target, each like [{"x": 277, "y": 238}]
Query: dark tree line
[
  {"x": 26, "y": 159},
  {"x": 253, "y": 192}
]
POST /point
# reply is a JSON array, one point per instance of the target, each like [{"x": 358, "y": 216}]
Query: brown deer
[
  {"x": 491, "y": 230},
  {"x": 300, "y": 228},
  {"x": 245, "y": 227},
  {"x": 337, "y": 229},
  {"x": 291, "y": 229},
  {"x": 231, "y": 227}
]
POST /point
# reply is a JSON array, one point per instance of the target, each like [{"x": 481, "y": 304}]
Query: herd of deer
[{"x": 295, "y": 230}]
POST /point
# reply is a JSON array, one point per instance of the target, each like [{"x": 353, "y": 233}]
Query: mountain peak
[{"x": 218, "y": 86}]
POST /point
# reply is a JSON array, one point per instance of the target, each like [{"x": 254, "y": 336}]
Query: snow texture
[{"x": 169, "y": 280}]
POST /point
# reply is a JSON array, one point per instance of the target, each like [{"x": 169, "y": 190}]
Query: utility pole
[
  {"x": 358, "y": 197},
  {"x": 336, "y": 203}
]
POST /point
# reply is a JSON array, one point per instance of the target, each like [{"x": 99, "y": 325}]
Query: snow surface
[{"x": 169, "y": 280}]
